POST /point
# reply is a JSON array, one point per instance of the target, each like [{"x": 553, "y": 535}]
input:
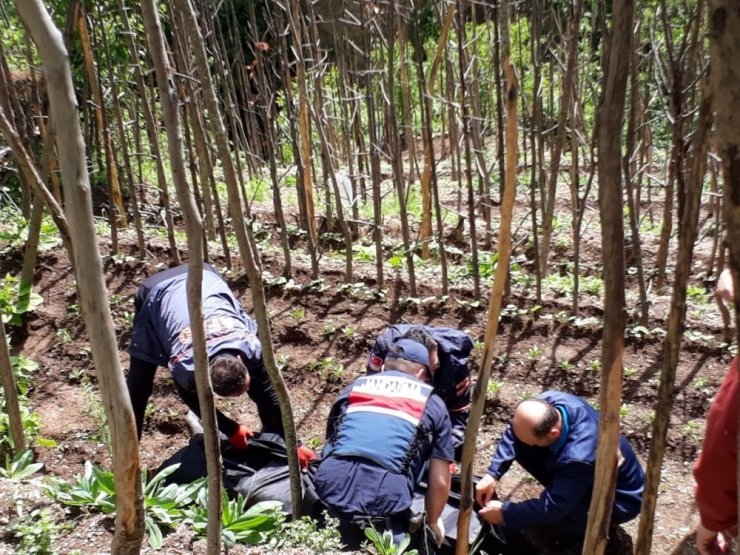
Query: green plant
[
  {"x": 534, "y": 353},
  {"x": 298, "y": 313},
  {"x": 629, "y": 371},
  {"x": 64, "y": 336},
  {"x": 624, "y": 410},
  {"x": 16, "y": 299},
  {"x": 34, "y": 531},
  {"x": 95, "y": 490},
  {"x": 702, "y": 384},
  {"x": 693, "y": 429},
  {"x": 95, "y": 410},
  {"x": 565, "y": 365},
  {"x": 31, "y": 426},
  {"x": 22, "y": 367},
  {"x": 384, "y": 544},
  {"x": 20, "y": 467},
  {"x": 165, "y": 505},
  {"x": 494, "y": 387},
  {"x": 349, "y": 331},
  {"x": 594, "y": 365},
  {"x": 238, "y": 524},
  {"x": 697, "y": 294},
  {"x": 329, "y": 330},
  {"x": 305, "y": 533}
]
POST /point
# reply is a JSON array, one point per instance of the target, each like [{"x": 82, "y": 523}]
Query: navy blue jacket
[
  {"x": 161, "y": 337},
  {"x": 452, "y": 379},
  {"x": 355, "y": 477},
  {"x": 566, "y": 469}
]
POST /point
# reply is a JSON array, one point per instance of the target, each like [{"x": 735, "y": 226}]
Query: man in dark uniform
[
  {"x": 383, "y": 430},
  {"x": 448, "y": 356},
  {"x": 554, "y": 438},
  {"x": 162, "y": 337}
]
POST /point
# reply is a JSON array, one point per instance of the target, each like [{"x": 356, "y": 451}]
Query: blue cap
[{"x": 408, "y": 349}]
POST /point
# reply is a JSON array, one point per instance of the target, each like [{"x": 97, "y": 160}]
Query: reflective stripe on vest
[{"x": 382, "y": 418}]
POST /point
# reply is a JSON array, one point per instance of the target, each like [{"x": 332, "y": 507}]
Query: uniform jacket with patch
[
  {"x": 568, "y": 471},
  {"x": 452, "y": 379}
]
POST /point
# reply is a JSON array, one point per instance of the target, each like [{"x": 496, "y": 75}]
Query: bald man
[{"x": 554, "y": 438}]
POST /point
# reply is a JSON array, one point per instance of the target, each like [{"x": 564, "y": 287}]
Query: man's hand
[
  {"x": 709, "y": 542},
  {"x": 438, "y": 529},
  {"x": 240, "y": 438},
  {"x": 485, "y": 489},
  {"x": 305, "y": 456},
  {"x": 493, "y": 512}
]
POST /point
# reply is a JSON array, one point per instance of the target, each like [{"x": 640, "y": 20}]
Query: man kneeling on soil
[
  {"x": 382, "y": 431},
  {"x": 448, "y": 358},
  {"x": 554, "y": 437},
  {"x": 162, "y": 337}
]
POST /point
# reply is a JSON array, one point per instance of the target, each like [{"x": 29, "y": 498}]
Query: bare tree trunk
[
  {"x": 610, "y": 119},
  {"x": 152, "y": 133},
  {"x": 466, "y": 127},
  {"x": 269, "y": 116},
  {"x": 689, "y": 204},
  {"x": 12, "y": 406},
  {"x": 295, "y": 16},
  {"x": 246, "y": 247},
  {"x": 426, "y": 176},
  {"x": 34, "y": 225},
  {"x": 89, "y": 273},
  {"x": 396, "y": 150},
  {"x": 628, "y": 176},
  {"x": 374, "y": 156},
  {"x": 124, "y": 150},
  {"x": 724, "y": 49},
  {"x": 511, "y": 91},
  {"x": 565, "y": 102},
  {"x": 169, "y": 101},
  {"x": 113, "y": 186},
  {"x": 31, "y": 176}
]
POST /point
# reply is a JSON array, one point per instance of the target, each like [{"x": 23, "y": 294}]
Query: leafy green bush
[
  {"x": 20, "y": 467},
  {"x": 384, "y": 545},
  {"x": 306, "y": 533},
  {"x": 16, "y": 299},
  {"x": 238, "y": 524},
  {"x": 34, "y": 532}
]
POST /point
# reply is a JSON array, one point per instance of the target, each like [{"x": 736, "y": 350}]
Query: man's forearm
[{"x": 438, "y": 488}]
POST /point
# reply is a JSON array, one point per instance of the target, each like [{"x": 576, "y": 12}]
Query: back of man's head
[
  {"x": 408, "y": 356},
  {"x": 229, "y": 376},
  {"x": 536, "y": 422}
]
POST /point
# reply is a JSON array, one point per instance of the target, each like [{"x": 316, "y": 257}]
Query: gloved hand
[
  {"x": 240, "y": 437},
  {"x": 438, "y": 529},
  {"x": 305, "y": 456},
  {"x": 453, "y": 469}
]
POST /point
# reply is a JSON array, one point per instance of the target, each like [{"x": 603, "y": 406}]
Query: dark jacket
[
  {"x": 161, "y": 337},
  {"x": 452, "y": 380},
  {"x": 566, "y": 469},
  {"x": 380, "y": 433}
]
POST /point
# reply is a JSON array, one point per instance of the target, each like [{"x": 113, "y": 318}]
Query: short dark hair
[
  {"x": 420, "y": 335},
  {"x": 228, "y": 374},
  {"x": 550, "y": 419}
]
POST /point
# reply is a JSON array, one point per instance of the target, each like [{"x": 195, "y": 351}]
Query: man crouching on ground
[
  {"x": 554, "y": 437},
  {"x": 382, "y": 431}
]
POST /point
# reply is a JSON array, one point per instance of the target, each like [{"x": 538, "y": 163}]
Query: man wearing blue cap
[
  {"x": 382, "y": 431},
  {"x": 448, "y": 358},
  {"x": 162, "y": 337}
]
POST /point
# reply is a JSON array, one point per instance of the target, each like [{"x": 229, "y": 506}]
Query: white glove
[{"x": 438, "y": 529}]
